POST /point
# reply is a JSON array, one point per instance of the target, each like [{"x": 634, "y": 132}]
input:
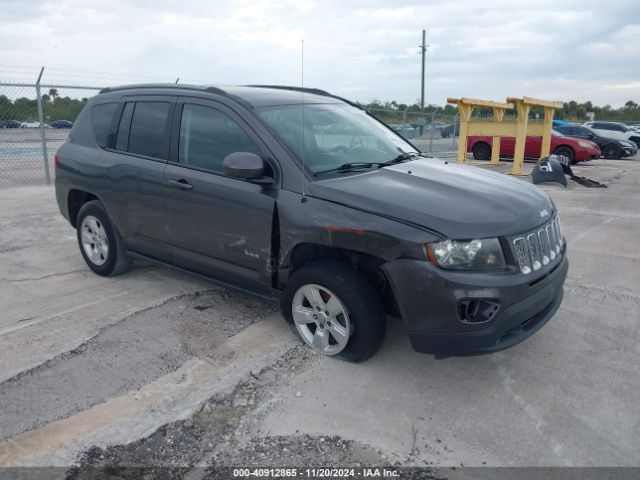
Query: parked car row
[
  {"x": 614, "y": 130},
  {"x": 575, "y": 149},
  {"x": 18, "y": 124},
  {"x": 610, "y": 147},
  {"x": 577, "y": 142}
]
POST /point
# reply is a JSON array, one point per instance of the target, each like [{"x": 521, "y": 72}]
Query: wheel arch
[
  {"x": 76, "y": 198},
  {"x": 365, "y": 263},
  {"x": 564, "y": 145}
]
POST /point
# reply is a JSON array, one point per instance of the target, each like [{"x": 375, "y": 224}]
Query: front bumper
[{"x": 428, "y": 299}]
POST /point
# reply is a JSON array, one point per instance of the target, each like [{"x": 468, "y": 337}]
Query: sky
[{"x": 363, "y": 50}]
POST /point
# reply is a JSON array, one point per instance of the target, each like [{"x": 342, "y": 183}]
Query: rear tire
[
  {"x": 566, "y": 152},
  {"x": 611, "y": 151},
  {"x": 353, "y": 335},
  {"x": 481, "y": 151},
  {"x": 100, "y": 242}
]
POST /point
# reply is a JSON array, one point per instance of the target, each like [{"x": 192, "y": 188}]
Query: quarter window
[
  {"x": 148, "y": 135},
  {"x": 102, "y": 118},
  {"x": 207, "y": 136}
]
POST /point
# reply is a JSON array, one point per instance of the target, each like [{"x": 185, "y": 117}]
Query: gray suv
[{"x": 298, "y": 196}]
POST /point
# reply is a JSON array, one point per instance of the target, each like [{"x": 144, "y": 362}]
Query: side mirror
[{"x": 245, "y": 165}]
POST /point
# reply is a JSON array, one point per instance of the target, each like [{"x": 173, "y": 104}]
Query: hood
[{"x": 459, "y": 201}]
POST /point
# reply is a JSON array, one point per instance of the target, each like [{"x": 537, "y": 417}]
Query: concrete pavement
[{"x": 567, "y": 396}]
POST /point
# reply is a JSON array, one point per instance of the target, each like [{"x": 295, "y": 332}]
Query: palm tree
[{"x": 53, "y": 93}]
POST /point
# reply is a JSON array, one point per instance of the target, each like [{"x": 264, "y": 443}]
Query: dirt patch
[{"x": 224, "y": 434}]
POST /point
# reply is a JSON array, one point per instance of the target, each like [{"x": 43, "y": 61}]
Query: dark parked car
[
  {"x": 11, "y": 124},
  {"x": 406, "y": 130},
  {"x": 610, "y": 147},
  {"x": 317, "y": 205},
  {"x": 451, "y": 129},
  {"x": 62, "y": 124},
  {"x": 614, "y": 130}
]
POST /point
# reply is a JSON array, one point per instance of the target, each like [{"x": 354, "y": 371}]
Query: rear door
[
  {"x": 217, "y": 225},
  {"x": 141, "y": 151}
]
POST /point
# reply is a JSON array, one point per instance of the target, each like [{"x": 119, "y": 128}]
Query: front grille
[{"x": 539, "y": 247}]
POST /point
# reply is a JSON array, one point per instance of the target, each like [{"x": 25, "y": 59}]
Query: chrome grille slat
[
  {"x": 534, "y": 251},
  {"x": 551, "y": 235},
  {"x": 522, "y": 254},
  {"x": 544, "y": 245},
  {"x": 538, "y": 247}
]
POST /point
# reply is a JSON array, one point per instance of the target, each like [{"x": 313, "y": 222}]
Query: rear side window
[
  {"x": 207, "y": 136},
  {"x": 102, "y": 120},
  {"x": 147, "y": 135}
]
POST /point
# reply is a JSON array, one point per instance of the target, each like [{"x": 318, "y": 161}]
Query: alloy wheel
[
  {"x": 94, "y": 240},
  {"x": 322, "y": 320}
]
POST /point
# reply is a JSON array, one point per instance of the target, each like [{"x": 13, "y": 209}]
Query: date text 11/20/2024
[{"x": 316, "y": 472}]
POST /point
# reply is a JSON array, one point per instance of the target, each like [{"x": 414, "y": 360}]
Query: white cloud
[{"x": 577, "y": 49}]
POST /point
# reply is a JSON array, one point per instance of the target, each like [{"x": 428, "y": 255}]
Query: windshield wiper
[
  {"x": 403, "y": 157},
  {"x": 347, "y": 167}
]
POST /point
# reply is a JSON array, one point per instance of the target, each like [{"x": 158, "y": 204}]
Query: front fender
[{"x": 308, "y": 220}]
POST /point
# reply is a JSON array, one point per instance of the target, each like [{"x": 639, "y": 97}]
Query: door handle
[{"x": 182, "y": 184}]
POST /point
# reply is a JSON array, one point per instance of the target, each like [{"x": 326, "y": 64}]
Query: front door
[{"x": 217, "y": 225}]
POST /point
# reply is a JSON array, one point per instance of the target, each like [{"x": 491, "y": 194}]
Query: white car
[{"x": 614, "y": 130}]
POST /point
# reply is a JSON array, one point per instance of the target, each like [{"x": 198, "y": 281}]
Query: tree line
[
  {"x": 54, "y": 107},
  {"x": 571, "y": 111}
]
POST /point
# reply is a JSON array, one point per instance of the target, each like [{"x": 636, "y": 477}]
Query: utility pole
[{"x": 423, "y": 50}]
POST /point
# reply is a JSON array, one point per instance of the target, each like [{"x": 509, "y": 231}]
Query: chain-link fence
[{"x": 34, "y": 121}]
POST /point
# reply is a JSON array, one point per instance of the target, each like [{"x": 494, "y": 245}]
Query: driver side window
[{"x": 208, "y": 135}]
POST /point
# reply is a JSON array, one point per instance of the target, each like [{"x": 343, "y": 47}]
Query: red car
[{"x": 576, "y": 149}]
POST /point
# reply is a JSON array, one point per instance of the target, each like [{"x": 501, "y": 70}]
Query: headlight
[
  {"x": 585, "y": 144},
  {"x": 477, "y": 254}
]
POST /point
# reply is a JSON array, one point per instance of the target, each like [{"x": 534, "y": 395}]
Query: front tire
[
  {"x": 100, "y": 242},
  {"x": 611, "y": 152},
  {"x": 335, "y": 311},
  {"x": 481, "y": 151},
  {"x": 566, "y": 152}
]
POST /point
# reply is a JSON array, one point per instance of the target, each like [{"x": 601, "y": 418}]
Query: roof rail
[
  {"x": 317, "y": 91},
  {"x": 210, "y": 89}
]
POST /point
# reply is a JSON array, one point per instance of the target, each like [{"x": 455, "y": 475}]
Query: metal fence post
[
  {"x": 456, "y": 120},
  {"x": 43, "y": 137},
  {"x": 432, "y": 131}
]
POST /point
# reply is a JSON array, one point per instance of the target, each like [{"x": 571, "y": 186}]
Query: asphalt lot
[
  {"x": 160, "y": 367},
  {"x": 21, "y": 160}
]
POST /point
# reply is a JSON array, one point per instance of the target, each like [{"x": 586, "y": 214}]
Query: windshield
[{"x": 334, "y": 135}]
